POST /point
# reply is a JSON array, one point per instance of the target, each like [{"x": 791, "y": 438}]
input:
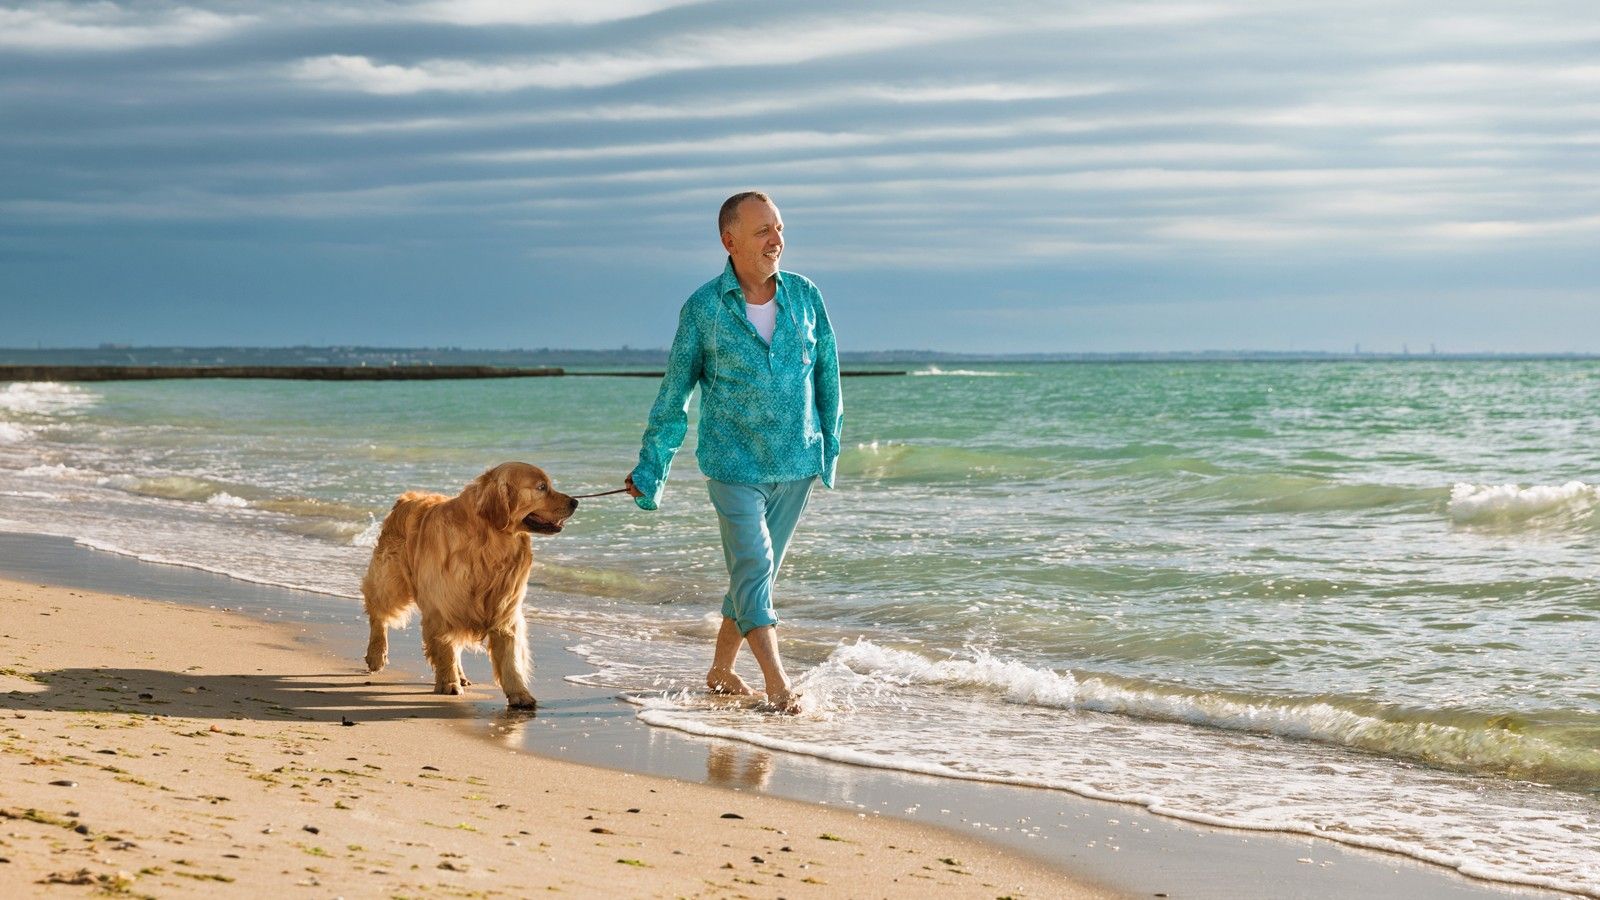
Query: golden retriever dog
[{"x": 463, "y": 561}]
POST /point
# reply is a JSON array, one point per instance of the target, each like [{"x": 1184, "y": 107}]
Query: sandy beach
[
  {"x": 156, "y": 749},
  {"x": 239, "y": 746}
]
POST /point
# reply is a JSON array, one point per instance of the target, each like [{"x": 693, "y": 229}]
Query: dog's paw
[
  {"x": 376, "y": 662},
  {"x": 521, "y": 701},
  {"x": 465, "y": 681},
  {"x": 452, "y": 688}
]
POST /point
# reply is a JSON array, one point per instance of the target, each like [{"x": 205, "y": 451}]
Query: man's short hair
[{"x": 730, "y": 208}]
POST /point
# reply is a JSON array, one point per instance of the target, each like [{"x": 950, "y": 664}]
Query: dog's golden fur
[{"x": 463, "y": 562}]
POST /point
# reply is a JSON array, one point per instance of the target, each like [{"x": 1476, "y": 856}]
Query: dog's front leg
[
  {"x": 508, "y": 653},
  {"x": 441, "y": 654}
]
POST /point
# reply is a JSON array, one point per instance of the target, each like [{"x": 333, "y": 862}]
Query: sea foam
[
  {"x": 368, "y": 536},
  {"x": 889, "y": 708},
  {"x": 1488, "y": 503},
  {"x": 225, "y": 499},
  {"x": 963, "y": 373},
  {"x": 57, "y": 472},
  {"x": 1017, "y": 682},
  {"x": 1465, "y": 741},
  {"x": 44, "y": 398}
]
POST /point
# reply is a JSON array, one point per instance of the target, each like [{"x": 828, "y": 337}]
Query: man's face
[{"x": 755, "y": 239}]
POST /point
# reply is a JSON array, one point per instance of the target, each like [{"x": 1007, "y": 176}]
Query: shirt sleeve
[
  {"x": 669, "y": 417},
  {"x": 830, "y": 402}
]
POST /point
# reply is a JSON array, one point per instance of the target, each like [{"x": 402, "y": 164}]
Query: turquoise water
[{"x": 1349, "y": 599}]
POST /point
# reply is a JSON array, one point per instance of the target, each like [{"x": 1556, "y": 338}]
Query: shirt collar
[{"x": 729, "y": 283}]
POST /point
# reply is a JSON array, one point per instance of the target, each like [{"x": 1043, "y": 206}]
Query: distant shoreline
[{"x": 636, "y": 361}]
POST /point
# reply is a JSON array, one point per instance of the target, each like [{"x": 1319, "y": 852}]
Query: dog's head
[{"x": 516, "y": 497}]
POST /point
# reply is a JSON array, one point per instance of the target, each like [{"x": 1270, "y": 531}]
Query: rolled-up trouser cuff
[{"x": 754, "y": 618}]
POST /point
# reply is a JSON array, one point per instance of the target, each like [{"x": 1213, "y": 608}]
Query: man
[{"x": 757, "y": 342}]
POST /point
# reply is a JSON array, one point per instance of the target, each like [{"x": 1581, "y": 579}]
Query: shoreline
[{"x": 1125, "y": 847}]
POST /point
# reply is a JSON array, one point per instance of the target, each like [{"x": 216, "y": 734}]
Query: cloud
[
  {"x": 720, "y": 107},
  {"x": 477, "y": 13},
  {"x": 1577, "y": 225},
  {"x": 684, "y": 52},
  {"x": 1100, "y": 138},
  {"x": 716, "y": 48},
  {"x": 106, "y": 26}
]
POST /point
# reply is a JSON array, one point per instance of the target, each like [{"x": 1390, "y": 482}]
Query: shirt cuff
[{"x": 650, "y": 488}]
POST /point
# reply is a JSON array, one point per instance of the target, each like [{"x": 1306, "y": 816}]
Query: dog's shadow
[{"x": 328, "y": 697}]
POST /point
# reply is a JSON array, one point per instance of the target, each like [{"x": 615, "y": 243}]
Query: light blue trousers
[{"x": 757, "y": 521}]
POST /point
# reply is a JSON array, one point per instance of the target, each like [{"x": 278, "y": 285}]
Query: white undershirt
[{"x": 764, "y": 317}]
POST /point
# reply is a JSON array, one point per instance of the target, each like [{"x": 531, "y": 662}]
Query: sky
[{"x": 997, "y": 177}]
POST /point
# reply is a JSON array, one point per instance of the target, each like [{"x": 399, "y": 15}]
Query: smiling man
[{"x": 757, "y": 342}]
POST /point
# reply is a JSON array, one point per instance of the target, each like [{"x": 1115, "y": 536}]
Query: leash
[{"x": 620, "y": 490}]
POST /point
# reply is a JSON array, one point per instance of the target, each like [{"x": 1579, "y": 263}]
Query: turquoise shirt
[{"x": 767, "y": 413}]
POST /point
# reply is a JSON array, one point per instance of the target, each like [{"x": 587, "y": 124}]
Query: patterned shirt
[{"x": 767, "y": 412}]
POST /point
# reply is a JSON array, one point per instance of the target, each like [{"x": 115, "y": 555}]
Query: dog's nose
[{"x": 574, "y": 504}]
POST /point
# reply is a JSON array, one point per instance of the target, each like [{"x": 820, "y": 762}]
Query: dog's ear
[{"x": 494, "y": 502}]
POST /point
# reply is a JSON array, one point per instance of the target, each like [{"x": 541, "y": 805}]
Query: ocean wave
[
  {"x": 227, "y": 500},
  {"x": 368, "y": 537},
  {"x": 45, "y": 398},
  {"x": 1163, "y": 465},
  {"x": 1288, "y": 493},
  {"x": 1017, "y": 682},
  {"x": 58, "y": 472},
  {"x": 11, "y": 433},
  {"x": 1465, "y": 741},
  {"x": 891, "y": 460},
  {"x": 338, "y": 523},
  {"x": 333, "y": 531},
  {"x": 593, "y": 581},
  {"x": 168, "y": 487},
  {"x": 31, "y": 495},
  {"x": 312, "y": 507},
  {"x": 963, "y": 373},
  {"x": 1510, "y": 503}
]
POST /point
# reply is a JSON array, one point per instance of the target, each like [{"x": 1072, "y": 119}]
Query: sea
[{"x": 1350, "y": 599}]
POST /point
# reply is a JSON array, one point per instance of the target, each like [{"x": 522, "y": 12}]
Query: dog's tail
[{"x": 387, "y": 591}]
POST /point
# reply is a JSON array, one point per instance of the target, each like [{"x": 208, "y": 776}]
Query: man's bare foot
[
  {"x": 727, "y": 681},
  {"x": 785, "y": 701}
]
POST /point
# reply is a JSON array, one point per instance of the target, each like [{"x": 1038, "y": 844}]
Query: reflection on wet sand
[
  {"x": 510, "y": 726},
  {"x": 735, "y": 765}
]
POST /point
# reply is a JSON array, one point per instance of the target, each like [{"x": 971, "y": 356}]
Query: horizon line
[{"x": 966, "y": 355}]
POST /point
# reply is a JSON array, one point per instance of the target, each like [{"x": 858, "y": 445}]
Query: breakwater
[{"x": 307, "y": 373}]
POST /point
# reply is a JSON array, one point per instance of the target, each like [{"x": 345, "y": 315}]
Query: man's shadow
[{"x": 335, "y": 697}]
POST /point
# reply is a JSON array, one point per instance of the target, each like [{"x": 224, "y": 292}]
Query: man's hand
[{"x": 632, "y": 491}]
